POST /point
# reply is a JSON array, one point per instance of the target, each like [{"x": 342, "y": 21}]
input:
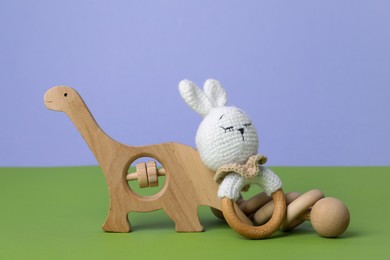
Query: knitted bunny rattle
[{"x": 227, "y": 142}]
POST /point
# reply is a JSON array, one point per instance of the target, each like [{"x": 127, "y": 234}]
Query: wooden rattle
[
  {"x": 147, "y": 174},
  {"x": 188, "y": 182},
  {"x": 328, "y": 216}
]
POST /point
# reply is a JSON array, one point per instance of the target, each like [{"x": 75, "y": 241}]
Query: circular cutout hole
[{"x": 146, "y": 176}]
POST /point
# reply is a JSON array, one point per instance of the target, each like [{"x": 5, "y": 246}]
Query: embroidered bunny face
[{"x": 226, "y": 134}]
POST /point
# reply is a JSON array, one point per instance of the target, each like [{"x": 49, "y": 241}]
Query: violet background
[{"x": 313, "y": 75}]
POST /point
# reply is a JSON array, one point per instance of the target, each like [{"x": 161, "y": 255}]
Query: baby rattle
[
  {"x": 227, "y": 142},
  {"x": 328, "y": 216}
]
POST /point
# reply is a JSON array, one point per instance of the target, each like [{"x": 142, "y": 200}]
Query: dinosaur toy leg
[
  {"x": 117, "y": 221},
  {"x": 187, "y": 221}
]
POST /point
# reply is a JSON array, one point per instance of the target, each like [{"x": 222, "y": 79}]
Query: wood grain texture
[
  {"x": 151, "y": 168},
  {"x": 330, "y": 217},
  {"x": 299, "y": 207},
  {"x": 259, "y": 232},
  {"x": 188, "y": 184},
  {"x": 264, "y": 212}
]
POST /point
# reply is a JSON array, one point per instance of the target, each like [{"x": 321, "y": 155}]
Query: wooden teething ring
[{"x": 259, "y": 232}]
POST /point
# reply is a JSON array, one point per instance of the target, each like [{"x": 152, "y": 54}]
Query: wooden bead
[
  {"x": 151, "y": 169},
  {"x": 329, "y": 217},
  {"x": 142, "y": 175},
  {"x": 147, "y": 174}
]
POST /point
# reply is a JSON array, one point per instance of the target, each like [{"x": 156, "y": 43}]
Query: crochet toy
[{"x": 227, "y": 142}]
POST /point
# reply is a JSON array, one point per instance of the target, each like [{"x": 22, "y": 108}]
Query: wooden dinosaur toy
[{"x": 188, "y": 183}]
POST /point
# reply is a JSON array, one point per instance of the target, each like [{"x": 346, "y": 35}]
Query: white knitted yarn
[
  {"x": 226, "y": 135},
  {"x": 268, "y": 180},
  {"x": 213, "y": 95},
  {"x": 233, "y": 183},
  {"x": 231, "y": 186}
]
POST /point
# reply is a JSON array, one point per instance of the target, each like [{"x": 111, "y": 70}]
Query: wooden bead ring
[{"x": 258, "y": 232}]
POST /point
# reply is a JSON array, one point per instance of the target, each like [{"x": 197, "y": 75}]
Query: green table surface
[{"x": 57, "y": 213}]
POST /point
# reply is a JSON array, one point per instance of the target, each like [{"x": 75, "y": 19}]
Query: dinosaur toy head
[{"x": 60, "y": 97}]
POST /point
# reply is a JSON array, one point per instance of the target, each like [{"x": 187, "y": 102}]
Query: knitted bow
[{"x": 248, "y": 170}]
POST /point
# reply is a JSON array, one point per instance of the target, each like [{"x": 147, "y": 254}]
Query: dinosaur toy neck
[{"x": 98, "y": 141}]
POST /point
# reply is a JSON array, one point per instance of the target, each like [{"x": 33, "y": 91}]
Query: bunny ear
[
  {"x": 195, "y": 97},
  {"x": 215, "y": 93}
]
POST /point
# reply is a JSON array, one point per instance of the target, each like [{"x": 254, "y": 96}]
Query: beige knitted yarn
[{"x": 248, "y": 170}]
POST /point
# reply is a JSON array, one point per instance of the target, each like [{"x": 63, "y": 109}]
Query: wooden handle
[
  {"x": 259, "y": 232},
  {"x": 299, "y": 209}
]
